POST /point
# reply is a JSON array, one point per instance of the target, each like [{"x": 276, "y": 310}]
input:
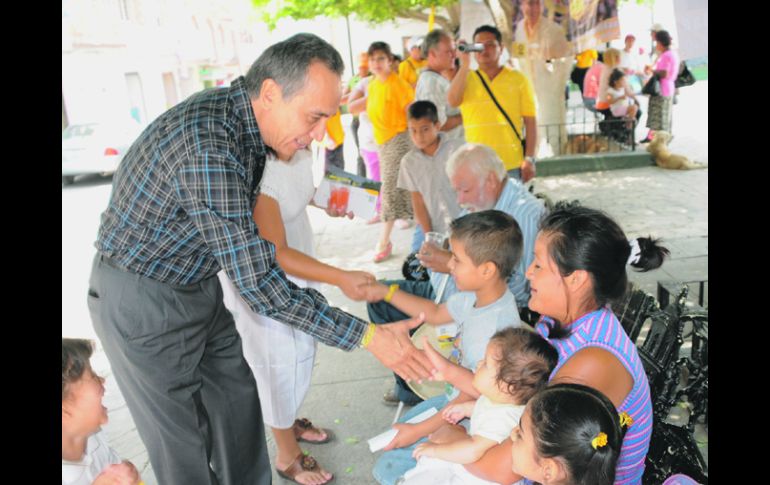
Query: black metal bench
[
  {"x": 673, "y": 448},
  {"x": 634, "y": 310}
]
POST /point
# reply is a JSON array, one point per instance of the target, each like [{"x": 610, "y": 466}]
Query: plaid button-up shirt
[{"x": 181, "y": 209}]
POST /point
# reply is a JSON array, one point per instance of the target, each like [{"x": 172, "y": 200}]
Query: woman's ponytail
[{"x": 650, "y": 254}]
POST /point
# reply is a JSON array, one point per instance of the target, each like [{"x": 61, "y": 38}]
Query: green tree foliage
[{"x": 374, "y": 11}]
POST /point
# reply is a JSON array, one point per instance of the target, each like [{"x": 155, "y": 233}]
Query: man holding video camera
[{"x": 497, "y": 104}]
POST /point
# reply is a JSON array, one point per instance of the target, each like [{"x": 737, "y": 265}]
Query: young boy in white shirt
[
  {"x": 423, "y": 171},
  {"x": 86, "y": 458}
]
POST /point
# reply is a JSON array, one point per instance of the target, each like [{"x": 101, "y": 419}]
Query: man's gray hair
[
  {"x": 480, "y": 159},
  {"x": 432, "y": 40},
  {"x": 287, "y": 63}
]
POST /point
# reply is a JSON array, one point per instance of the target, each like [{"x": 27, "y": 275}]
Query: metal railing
[{"x": 586, "y": 132}]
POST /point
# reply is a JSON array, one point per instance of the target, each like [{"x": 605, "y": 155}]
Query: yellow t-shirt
[
  {"x": 586, "y": 58},
  {"x": 485, "y": 124},
  {"x": 409, "y": 70},
  {"x": 386, "y": 106},
  {"x": 334, "y": 128}
]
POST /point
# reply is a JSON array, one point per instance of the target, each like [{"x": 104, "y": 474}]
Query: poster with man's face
[{"x": 551, "y": 29}]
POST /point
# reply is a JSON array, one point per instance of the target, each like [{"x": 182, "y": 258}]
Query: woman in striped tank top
[{"x": 579, "y": 268}]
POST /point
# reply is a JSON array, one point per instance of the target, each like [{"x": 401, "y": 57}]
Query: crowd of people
[
  {"x": 609, "y": 81},
  {"x": 204, "y": 288}
]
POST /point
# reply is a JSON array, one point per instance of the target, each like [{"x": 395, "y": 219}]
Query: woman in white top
[{"x": 280, "y": 356}]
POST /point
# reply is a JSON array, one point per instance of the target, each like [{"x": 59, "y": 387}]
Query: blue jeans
[
  {"x": 394, "y": 463},
  {"x": 417, "y": 238}
]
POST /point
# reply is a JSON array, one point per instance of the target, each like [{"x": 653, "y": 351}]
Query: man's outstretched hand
[{"x": 393, "y": 347}]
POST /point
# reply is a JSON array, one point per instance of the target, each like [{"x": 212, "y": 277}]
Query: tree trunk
[
  {"x": 454, "y": 12},
  {"x": 502, "y": 13}
]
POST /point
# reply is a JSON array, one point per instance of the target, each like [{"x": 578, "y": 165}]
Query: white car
[{"x": 95, "y": 148}]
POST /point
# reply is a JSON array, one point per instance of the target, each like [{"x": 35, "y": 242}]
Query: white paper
[{"x": 381, "y": 440}]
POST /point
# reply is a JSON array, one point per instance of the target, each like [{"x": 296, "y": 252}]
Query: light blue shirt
[
  {"x": 527, "y": 210},
  {"x": 475, "y": 326}
]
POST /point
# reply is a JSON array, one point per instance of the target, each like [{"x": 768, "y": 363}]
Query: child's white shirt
[
  {"x": 97, "y": 457},
  {"x": 494, "y": 421},
  {"x": 488, "y": 420}
]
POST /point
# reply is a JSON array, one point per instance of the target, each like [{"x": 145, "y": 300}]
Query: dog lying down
[
  {"x": 586, "y": 144},
  {"x": 658, "y": 147}
]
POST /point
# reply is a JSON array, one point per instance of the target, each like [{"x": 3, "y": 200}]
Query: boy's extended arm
[
  {"x": 435, "y": 314},
  {"x": 467, "y": 450},
  {"x": 421, "y": 212}
]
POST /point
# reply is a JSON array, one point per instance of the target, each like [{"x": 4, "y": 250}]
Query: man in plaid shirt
[{"x": 181, "y": 209}]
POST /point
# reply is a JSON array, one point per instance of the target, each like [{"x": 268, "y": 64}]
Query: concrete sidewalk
[{"x": 347, "y": 387}]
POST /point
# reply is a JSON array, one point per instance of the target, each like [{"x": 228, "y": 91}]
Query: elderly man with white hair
[{"x": 480, "y": 181}]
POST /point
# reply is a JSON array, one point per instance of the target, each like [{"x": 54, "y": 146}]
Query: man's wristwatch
[{"x": 531, "y": 160}]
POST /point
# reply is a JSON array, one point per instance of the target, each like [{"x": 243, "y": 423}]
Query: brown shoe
[
  {"x": 301, "y": 464},
  {"x": 303, "y": 425}
]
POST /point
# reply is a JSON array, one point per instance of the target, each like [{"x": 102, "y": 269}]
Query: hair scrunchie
[
  {"x": 636, "y": 252},
  {"x": 599, "y": 441}
]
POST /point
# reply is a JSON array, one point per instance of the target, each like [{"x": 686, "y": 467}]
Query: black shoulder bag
[
  {"x": 521, "y": 140},
  {"x": 685, "y": 77}
]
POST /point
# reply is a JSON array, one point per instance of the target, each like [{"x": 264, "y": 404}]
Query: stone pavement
[{"x": 347, "y": 387}]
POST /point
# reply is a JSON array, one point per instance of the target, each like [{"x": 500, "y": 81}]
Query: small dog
[
  {"x": 586, "y": 144},
  {"x": 664, "y": 158}
]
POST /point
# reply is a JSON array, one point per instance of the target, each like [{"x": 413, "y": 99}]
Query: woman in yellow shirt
[{"x": 386, "y": 104}]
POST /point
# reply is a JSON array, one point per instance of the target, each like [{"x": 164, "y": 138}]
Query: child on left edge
[
  {"x": 86, "y": 458},
  {"x": 515, "y": 367}
]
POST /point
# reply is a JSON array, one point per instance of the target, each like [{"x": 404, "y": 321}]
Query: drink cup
[
  {"x": 343, "y": 195},
  {"x": 433, "y": 241}
]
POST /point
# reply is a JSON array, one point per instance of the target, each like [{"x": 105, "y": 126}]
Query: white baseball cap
[
  {"x": 657, "y": 27},
  {"x": 415, "y": 41}
]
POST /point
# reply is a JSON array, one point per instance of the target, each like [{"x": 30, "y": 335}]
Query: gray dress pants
[{"x": 177, "y": 359}]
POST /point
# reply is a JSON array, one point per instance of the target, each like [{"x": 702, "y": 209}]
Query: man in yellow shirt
[
  {"x": 483, "y": 121},
  {"x": 335, "y": 136},
  {"x": 584, "y": 62},
  {"x": 409, "y": 69}
]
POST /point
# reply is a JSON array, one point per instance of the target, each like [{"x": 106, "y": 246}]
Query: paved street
[{"x": 347, "y": 387}]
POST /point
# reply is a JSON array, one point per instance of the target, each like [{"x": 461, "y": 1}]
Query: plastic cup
[
  {"x": 343, "y": 195},
  {"x": 333, "y": 200},
  {"x": 432, "y": 239}
]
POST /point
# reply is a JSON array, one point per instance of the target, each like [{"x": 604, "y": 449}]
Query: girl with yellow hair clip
[{"x": 569, "y": 434}]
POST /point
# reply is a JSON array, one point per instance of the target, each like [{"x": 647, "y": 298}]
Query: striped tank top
[{"x": 602, "y": 329}]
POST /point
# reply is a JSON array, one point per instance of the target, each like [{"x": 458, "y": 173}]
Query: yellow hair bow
[
  {"x": 626, "y": 420},
  {"x": 599, "y": 441}
]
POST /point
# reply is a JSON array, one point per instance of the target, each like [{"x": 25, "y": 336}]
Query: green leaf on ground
[
  {"x": 305, "y": 452},
  {"x": 349, "y": 469},
  {"x": 337, "y": 421},
  {"x": 352, "y": 440}
]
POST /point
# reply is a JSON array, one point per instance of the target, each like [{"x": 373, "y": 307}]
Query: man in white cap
[{"x": 409, "y": 69}]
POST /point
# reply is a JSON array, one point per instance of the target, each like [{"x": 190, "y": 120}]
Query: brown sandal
[
  {"x": 303, "y": 424},
  {"x": 301, "y": 464}
]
